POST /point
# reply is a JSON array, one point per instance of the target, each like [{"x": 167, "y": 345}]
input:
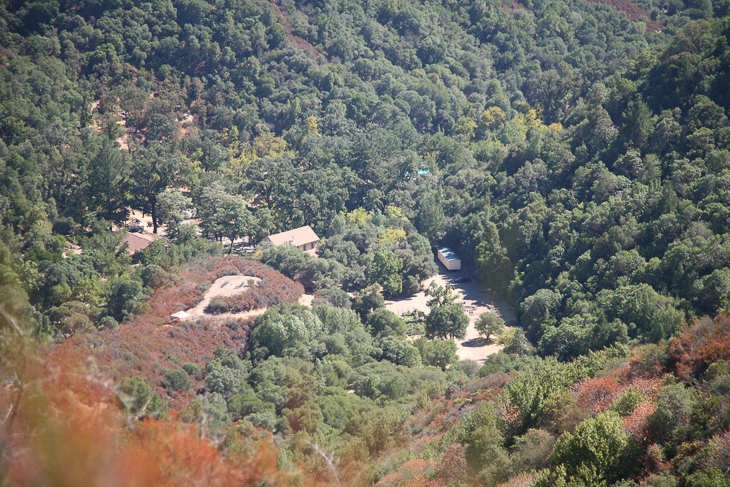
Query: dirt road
[{"x": 471, "y": 294}]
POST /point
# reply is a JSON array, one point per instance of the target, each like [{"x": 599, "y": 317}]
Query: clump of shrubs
[
  {"x": 108, "y": 322},
  {"x": 193, "y": 370},
  {"x": 177, "y": 380},
  {"x": 217, "y": 306}
]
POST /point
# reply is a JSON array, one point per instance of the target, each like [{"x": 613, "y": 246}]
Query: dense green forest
[{"x": 576, "y": 153}]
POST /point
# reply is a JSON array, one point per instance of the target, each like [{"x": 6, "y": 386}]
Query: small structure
[
  {"x": 449, "y": 259},
  {"x": 139, "y": 241},
  {"x": 303, "y": 238},
  {"x": 180, "y": 315}
]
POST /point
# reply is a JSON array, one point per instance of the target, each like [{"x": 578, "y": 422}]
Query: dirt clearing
[
  {"x": 228, "y": 286},
  {"x": 476, "y": 299}
]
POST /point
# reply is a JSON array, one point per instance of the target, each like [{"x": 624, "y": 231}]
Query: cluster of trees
[
  {"x": 655, "y": 415},
  {"x": 612, "y": 230},
  {"x": 578, "y": 159},
  {"x": 69, "y": 293},
  {"x": 296, "y": 377},
  {"x": 360, "y": 249},
  {"x": 545, "y": 144}
]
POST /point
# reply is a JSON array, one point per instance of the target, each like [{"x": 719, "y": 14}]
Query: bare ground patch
[
  {"x": 230, "y": 286},
  {"x": 225, "y": 286}
]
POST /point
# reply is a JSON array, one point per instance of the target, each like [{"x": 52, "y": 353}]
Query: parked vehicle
[{"x": 459, "y": 280}]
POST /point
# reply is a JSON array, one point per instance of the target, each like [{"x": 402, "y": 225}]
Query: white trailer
[{"x": 449, "y": 259}]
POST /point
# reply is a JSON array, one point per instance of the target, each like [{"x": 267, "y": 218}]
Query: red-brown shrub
[
  {"x": 634, "y": 12},
  {"x": 647, "y": 387},
  {"x": 453, "y": 465},
  {"x": 597, "y": 395},
  {"x": 147, "y": 350},
  {"x": 523, "y": 479},
  {"x": 413, "y": 473},
  {"x": 68, "y": 429},
  {"x": 648, "y": 361},
  {"x": 489, "y": 386},
  {"x": 636, "y": 423},
  {"x": 702, "y": 345}
]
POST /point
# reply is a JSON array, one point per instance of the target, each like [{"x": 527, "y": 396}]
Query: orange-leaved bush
[
  {"x": 597, "y": 395},
  {"x": 69, "y": 429},
  {"x": 637, "y": 423},
  {"x": 413, "y": 473}
]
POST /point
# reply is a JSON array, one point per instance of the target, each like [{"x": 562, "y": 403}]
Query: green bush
[
  {"x": 192, "y": 369},
  {"x": 222, "y": 380},
  {"x": 383, "y": 322},
  {"x": 599, "y": 451},
  {"x": 244, "y": 404},
  {"x": 436, "y": 352},
  {"x": 217, "y": 306},
  {"x": 177, "y": 380},
  {"x": 135, "y": 393},
  {"x": 108, "y": 322}
]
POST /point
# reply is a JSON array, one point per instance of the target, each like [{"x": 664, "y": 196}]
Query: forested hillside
[{"x": 577, "y": 154}]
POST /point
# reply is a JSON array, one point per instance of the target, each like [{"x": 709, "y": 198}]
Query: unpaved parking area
[{"x": 472, "y": 294}]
